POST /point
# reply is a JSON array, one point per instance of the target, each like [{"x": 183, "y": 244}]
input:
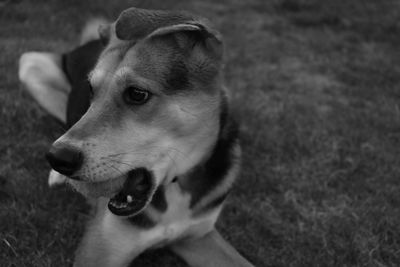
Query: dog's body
[{"x": 177, "y": 151}]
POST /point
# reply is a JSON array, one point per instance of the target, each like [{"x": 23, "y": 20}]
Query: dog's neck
[{"x": 214, "y": 167}]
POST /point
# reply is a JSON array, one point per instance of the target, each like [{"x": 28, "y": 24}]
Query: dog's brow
[
  {"x": 96, "y": 76},
  {"x": 125, "y": 76},
  {"x": 122, "y": 72},
  {"x": 122, "y": 75}
]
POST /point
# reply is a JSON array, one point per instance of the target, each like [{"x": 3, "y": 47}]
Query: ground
[{"x": 315, "y": 86}]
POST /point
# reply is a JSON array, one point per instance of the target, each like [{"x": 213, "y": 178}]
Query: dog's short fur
[{"x": 184, "y": 135}]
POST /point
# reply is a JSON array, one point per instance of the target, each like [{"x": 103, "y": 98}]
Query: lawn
[{"x": 315, "y": 84}]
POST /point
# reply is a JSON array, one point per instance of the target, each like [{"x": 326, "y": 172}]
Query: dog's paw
[{"x": 56, "y": 178}]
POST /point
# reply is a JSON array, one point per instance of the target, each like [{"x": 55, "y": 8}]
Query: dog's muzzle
[{"x": 137, "y": 188}]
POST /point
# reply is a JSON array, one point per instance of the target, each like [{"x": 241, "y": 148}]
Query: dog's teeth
[{"x": 129, "y": 199}]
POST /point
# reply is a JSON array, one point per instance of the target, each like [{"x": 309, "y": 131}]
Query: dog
[{"x": 150, "y": 142}]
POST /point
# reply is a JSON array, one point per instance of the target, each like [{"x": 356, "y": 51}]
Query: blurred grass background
[{"x": 316, "y": 86}]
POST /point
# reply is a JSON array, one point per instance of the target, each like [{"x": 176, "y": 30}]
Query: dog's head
[{"x": 154, "y": 113}]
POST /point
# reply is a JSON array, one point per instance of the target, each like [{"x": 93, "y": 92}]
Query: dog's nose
[{"x": 65, "y": 159}]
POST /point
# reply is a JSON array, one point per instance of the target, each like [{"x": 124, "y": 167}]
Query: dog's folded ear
[
  {"x": 135, "y": 24},
  {"x": 192, "y": 33}
]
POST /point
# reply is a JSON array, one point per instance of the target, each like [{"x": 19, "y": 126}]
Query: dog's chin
[{"x": 129, "y": 194}]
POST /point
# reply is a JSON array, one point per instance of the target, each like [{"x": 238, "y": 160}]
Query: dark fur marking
[
  {"x": 142, "y": 220},
  {"x": 213, "y": 204},
  {"x": 205, "y": 177},
  {"x": 76, "y": 65},
  {"x": 159, "y": 202},
  {"x": 177, "y": 77}
]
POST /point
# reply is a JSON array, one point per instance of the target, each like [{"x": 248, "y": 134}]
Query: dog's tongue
[{"x": 135, "y": 194}]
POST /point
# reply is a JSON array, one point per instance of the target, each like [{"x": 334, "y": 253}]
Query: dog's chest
[
  {"x": 178, "y": 220},
  {"x": 174, "y": 223}
]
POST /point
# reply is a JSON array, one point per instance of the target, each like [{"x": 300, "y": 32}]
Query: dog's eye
[{"x": 136, "y": 96}]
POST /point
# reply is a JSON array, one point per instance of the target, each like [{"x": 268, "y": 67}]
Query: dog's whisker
[
  {"x": 135, "y": 151},
  {"x": 111, "y": 185},
  {"x": 121, "y": 162},
  {"x": 173, "y": 161},
  {"x": 110, "y": 165},
  {"x": 123, "y": 153}
]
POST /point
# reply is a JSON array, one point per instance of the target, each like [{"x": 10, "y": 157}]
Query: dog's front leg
[
  {"x": 109, "y": 241},
  {"x": 211, "y": 250}
]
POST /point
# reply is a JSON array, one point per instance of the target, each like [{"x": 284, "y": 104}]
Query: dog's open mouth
[
  {"x": 129, "y": 194},
  {"x": 134, "y": 195}
]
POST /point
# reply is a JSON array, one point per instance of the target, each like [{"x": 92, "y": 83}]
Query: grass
[{"x": 315, "y": 84}]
